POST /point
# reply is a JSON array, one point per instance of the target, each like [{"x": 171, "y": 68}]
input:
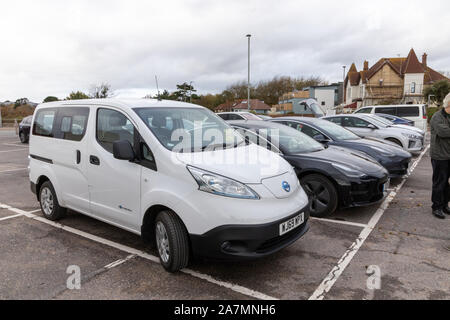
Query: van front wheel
[
  {"x": 171, "y": 241},
  {"x": 49, "y": 202}
]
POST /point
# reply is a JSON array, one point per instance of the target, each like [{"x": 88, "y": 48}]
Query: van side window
[
  {"x": 43, "y": 123},
  {"x": 408, "y": 112},
  {"x": 113, "y": 126},
  {"x": 147, "y": 157},
  {"x": 365, "y": 110},
  {"x": 71, "y": 123},
  {"x": 386, "y": 110}
]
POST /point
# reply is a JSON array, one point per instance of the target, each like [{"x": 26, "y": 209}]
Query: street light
[
  {"x": 343, "y": 85},
  {"x": 248, "y": 83}
]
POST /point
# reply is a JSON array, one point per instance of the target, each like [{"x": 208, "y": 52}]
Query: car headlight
[
  {"x": 222, "y": 186},
  {"x": 349, "y": 171},
  {"x": 411, "y": 135},
  {"x": 382, "y": 151}
]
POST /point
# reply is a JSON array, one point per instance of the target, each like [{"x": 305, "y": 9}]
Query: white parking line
[
  {"x": 354, "y": 224},
  {"x": 11, "y": 217},
  {"x": 13, "y": 150},
  {"x": 134, "y": 252},
  {"x": 13, "y": 144},
  {"x": 336, "y": 272},
  {"x": 119, "y": 262},
  {"x": 13, "y": 170}
]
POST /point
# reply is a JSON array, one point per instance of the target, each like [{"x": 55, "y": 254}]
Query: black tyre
[
  {"x": 23, "y": 137},
  {"x": 322, "y": 194},
  {"x": 397, "y": 142},
  {"x": 49, "y": 202},
  {"x": 171, "y": 241}
]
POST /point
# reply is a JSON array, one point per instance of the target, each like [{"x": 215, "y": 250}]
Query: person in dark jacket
[{"x": 440, "y": 159}]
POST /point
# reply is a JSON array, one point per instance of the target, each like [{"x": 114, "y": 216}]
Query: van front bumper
[{"x": 243, "y": 242}]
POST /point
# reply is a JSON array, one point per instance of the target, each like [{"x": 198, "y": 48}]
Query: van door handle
[
  {"x": 94, "y": 160},
  {"x": 78, "y": 156}
]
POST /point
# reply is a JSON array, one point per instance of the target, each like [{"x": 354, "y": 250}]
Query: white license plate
[{"x": 292, "y": 224}]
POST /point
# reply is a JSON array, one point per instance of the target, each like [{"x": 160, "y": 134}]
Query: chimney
[
  {"x": 424, "y": 60},
  {"x": 366, "y": 65}
]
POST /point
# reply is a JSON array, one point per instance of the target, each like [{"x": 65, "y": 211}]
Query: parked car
[
  {"x": 24, "y": 129},
  {"x": 403, "y": 126},
  {"x": 395, "y": 119},
  {"x": 135, "y": 166},
  {"x": 264, "y": 117},
  {"x": 227, "y": 116},
  {"x": 413, "y": 112},
  {"x": 332, "y": 176},
  {"x": 367, "y": 126},
  {"x": 392, "y": 157}
]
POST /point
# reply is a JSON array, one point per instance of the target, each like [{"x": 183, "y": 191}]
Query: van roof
[
  {"x": 123, "y": 103},
  {"x": 395, "y": 105}
]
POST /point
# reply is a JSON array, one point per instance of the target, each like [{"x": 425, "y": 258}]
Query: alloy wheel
[
  {"x": 162, "y": 242},
  {"x": 47, "y": 201}
]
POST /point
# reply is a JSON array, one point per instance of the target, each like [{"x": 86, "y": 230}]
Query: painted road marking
[
  {"x": 119, "y": 262},
  {"x": 345, "y": 260},
  {"x": 11, "y": 217},
  {"x": 349, "y": 223},
  {"x": 236, "y": 288},
  {"x": 13, "y": 170},
  {"x": 13, "y": 150}
]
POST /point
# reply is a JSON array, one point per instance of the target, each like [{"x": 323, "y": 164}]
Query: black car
[
  {"x": 24, "y": 129},
  {"x": 331, "y": 176},
  {"x": 393, "y": 158}
]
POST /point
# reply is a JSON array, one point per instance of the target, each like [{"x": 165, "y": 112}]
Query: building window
[{"x": 413, "y": 87}]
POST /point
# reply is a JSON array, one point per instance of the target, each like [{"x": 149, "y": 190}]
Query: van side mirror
[{"x": 123, "y": 150}]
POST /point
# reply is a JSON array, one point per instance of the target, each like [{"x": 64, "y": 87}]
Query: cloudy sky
[{"x": 54, "y": 47}]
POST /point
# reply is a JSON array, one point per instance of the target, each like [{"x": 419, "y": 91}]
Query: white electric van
[
  {"x": 160, "y": 169},
  {"x": 413, "y": 112}
]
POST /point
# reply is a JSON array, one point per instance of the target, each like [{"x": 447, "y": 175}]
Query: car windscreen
[
  {"x": 289, "y": 140},
  {"x": 250, "y": 116},
  {"x": 335, "y": 131},
  {"x": 383, "y": 120},
  {"x": 377, "y": 122},
  {"x": 189, "y": 129}
]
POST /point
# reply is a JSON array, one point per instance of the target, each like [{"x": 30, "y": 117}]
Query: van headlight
[{"x": 221, "y": 186}]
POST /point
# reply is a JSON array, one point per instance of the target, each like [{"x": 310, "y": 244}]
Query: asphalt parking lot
[{"x": 399, "y": 237}]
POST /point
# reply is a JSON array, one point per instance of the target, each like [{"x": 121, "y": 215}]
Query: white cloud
[{"x": 54, "y": 47}]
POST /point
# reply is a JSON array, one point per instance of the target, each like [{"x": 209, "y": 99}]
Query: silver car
[{"x": 368, "y": 126}]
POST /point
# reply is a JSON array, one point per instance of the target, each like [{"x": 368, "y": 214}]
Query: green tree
[
  {"x": 50, "y": 99},
  {"x": 437, "y": 91},
  {"x": 78, "y": 95},
  {"x": 184, "y": 91}
]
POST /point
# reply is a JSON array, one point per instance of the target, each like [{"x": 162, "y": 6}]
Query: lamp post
[
  {"x": 248, "y": 82},
  {"x": 190, "y": 94},
  {"x": 343, "y": 85}
]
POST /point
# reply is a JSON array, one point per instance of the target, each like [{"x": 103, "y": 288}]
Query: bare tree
[{"x": 101, "y": 91}]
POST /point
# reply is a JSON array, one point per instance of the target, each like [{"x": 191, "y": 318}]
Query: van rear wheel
[
  {"x": 49, "y": 202},
  {"x": 171, "y": 241}
]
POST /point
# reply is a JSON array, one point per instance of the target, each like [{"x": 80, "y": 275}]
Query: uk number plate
[
  {"x": 292, "y": 224},
  {"x": 387, "y": 185}
]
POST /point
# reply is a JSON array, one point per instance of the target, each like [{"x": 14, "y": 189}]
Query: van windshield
[{"x": 189, "y": 129}]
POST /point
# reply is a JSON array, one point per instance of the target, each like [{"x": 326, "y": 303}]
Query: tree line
[{"x": 268, "y": 91}]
